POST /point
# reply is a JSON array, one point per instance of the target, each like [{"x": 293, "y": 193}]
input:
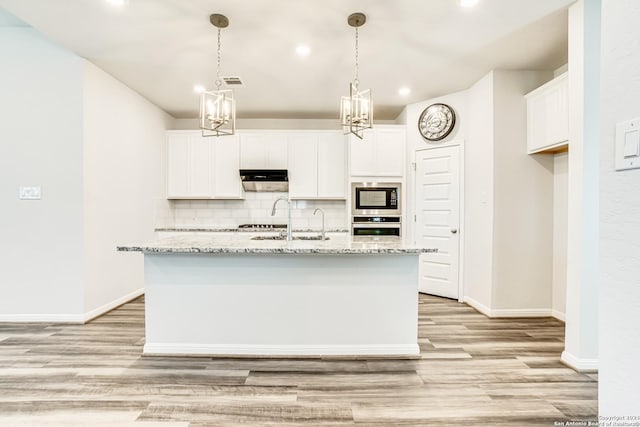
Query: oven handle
[{"x": 376, "y": 225}]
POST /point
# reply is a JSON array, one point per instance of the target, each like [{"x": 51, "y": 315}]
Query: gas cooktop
[{"x": 262, "y": 226}]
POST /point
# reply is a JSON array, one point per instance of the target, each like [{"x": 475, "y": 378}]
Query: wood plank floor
[{"x": 473, "y": 371}]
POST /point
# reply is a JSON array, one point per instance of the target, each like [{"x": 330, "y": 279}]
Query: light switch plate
[
  {"x": 628, "y": 145},
  {"x": 30, "y": 193}
]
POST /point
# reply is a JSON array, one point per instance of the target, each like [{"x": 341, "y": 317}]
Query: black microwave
[{"x": 372, "y": 198}]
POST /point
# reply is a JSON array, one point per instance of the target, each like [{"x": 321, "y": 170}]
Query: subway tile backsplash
[{"x": 256, "y": 209}]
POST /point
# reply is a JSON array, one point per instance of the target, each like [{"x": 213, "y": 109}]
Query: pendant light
[
  {"x": 217, "y": 106},
  {"x": 356, "y": 110}
]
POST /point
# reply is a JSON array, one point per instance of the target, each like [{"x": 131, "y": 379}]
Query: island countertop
[{"x": 242, "y": 243}]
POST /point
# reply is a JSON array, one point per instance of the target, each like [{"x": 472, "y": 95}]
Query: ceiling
[{"x": 162, "y": 48}]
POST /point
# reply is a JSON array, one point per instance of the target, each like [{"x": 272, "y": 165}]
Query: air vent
[{"x": 232, "y": 81}]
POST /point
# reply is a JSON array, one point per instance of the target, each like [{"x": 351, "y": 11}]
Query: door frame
[{"x": 461, "y": 226}]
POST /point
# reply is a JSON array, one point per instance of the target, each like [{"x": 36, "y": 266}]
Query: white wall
[
  {"x": 41, "y": 268},
  {"x": 124, "y": 178},
  {"x": 581, "y": 337},
  {"x": 97, "y": 150},
  {"x": 478, "y": 252},
  {"x": 619, "y": 275},
  {"x": 508, "y": 195},
  {"x": 560, "y": 196},
  {"x": 523, "y": 202}
]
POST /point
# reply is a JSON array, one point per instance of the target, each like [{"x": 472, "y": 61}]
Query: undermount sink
[{"x": 285, "y": 238}]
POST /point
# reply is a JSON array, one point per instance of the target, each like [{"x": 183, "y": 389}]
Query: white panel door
[{"x": 438, "y": 219}]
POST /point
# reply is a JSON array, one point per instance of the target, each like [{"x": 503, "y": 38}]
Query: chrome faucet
[
  {"x": 322, "y": 212},
  {"x": 273, "y": 212}
]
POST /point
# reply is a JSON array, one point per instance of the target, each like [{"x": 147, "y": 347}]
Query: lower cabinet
[
  {"x": 317, "y": 165},
  {"x": 202, "y": 167}
]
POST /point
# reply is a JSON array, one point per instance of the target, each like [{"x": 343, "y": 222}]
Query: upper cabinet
[
  {"x": 263, "y": 150},
  {"x": 208, "y": 167},
  {"x": 548, "y": 116},
  {"x": 317, "y": 165},
  {"x": 202, "y": 167},
  {"x": 380, "y": 154}
]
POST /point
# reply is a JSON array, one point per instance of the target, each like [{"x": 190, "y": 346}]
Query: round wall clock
[{"x": 436, "y": 122}]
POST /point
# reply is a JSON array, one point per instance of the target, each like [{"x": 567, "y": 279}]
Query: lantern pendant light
[
  {"x": 218, "y": 107},
  {"x": 356, "y": 110}
]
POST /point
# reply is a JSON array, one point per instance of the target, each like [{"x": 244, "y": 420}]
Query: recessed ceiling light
[
  {"x": 199, "y": 89},
  {"x": 468, "y": 3},
  {"x": 404, "y": 91},
  {"x": 303, "y": 50},
  {"x": 118, "y": 3}
]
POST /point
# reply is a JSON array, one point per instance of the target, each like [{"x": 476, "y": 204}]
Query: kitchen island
[{"x": 230, "y": 295}]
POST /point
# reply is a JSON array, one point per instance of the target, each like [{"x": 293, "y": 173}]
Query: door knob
[{"x": 454, "y": 230}]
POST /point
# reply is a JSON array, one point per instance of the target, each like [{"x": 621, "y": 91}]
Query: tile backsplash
[{"x": 256, "y": 209}]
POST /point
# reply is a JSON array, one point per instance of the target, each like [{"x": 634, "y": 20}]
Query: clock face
[{"x": 436, "y": 122}]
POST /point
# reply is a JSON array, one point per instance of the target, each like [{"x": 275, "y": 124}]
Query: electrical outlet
[{"x": 30, "y": 193}]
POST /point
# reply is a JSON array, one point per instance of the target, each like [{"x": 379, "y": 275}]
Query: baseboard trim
[
  {"x": 580, "y": 365},
  {"x": 512, "y": 312},
  {"x": 559, "y": 315},
  {"x": 97, "y": 312},
  {"x": 478, "y": 306},
  {"x": 152, "y": 349},
  {"x": 71, "y": 318},
  {"x": 521, "y": 312}
]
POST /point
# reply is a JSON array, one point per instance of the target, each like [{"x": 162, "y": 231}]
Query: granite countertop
[
  {"x": 245, "y": 230},
  {"x": 241, "y": 243}
]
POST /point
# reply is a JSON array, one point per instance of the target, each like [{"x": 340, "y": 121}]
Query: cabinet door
[
  {"x": 362, "y": 154},
  {"x": 536, "y": 123},
  {"x": 389, "y": 152},
  {"x": 276, "y": 151},
  {"x": 200, "y": 166},
  {"x": 557, "y": 114},
  {"x": 332, "y": 166},
  {"x": 548, "y": 116},
  {"x": 303, "y": 168},
  {"x": 263, "y": 151},
  {"x": 177, "y": 165},
  {"x": 227, "y": 184},
  {"x": 252, "y": 152}
]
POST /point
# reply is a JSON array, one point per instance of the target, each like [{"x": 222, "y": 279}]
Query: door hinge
[
  {"x": 414, "y": 165},
  {"x": 415, "y": 218}
]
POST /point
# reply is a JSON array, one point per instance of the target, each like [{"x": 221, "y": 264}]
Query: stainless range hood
[{"x": 263, "y": 180}]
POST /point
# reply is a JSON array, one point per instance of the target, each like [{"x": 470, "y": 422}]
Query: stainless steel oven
[
  {"x": 376, "y": 225},
  {"x": 373, "y": 198}
]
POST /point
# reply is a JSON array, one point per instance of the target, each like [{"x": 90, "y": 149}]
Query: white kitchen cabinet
[
  {"x": 548, "y": 116},
  {"x": 380, "y": 153},
  {"x": 263, "y": 150},
  {"x": 317, "y": 167},
  {"x": 202, "y": 167},
  {"x": 226, "y": 169},
  {"x": 332, "y": 166},
  {"x": 303, "y": 170}
]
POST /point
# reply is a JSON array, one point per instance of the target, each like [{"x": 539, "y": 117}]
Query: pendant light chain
[
  {"x": 218, "y": 81},
  {"x": 356, "y": 82}
]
